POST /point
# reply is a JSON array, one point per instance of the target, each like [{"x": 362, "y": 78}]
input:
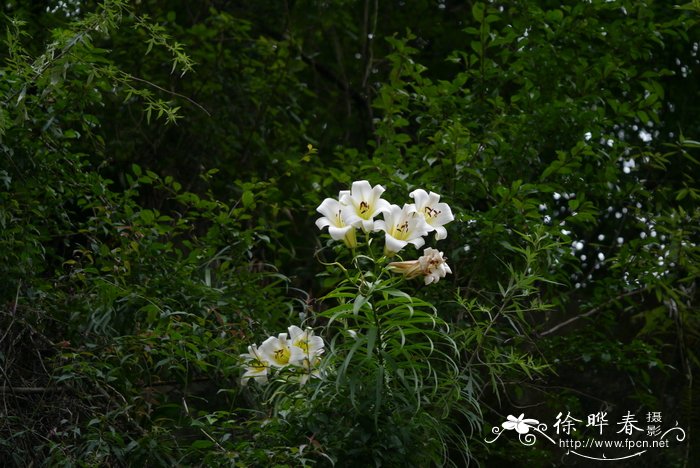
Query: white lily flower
[
  {"x": 431, "y": 265},
  {"x": 279, "y": 353},
  {"x": 305, "y": 340},
  {"x": 311, "y": 369},
  {"x": 335, "y": 217},
  {"x": 257, "y": 366},
  {"x": 436, "y": 214},
  {"x": 434, "y": 265},
  {"x": 364, "y": 203},
  {"x": 402, "y": 226}
]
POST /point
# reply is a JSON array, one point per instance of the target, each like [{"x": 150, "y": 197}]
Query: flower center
[
  {"x": 431, "y": 213},
  {"x": 339, "y": 220},
  {"x": 364, "y": 207},
  {"x": 257, "y": 366},
  {"x": 401, "y": 230},
  {"x": 282, "y": 355},
  {"x": 303, "y": 344}
]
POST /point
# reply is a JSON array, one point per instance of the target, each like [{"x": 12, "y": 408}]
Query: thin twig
[
  {"x": 369, "y": 42},
  {"x": 14, "y": 306},
  {"x": 29, "y": 390},
  {"x": 593, "y": 311},
  {"x": 191, "y": 101},
  {"x": 208, "y": 436},
  {"x": 14, "y": 313}
]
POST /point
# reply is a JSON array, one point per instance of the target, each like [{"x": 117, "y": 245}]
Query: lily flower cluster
[
  {"x": 358, "y": 207},
  {"x": 300, "y": 349}
]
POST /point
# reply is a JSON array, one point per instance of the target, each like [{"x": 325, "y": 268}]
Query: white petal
[
  {"x": 316, "y": 344},
  {"x": 440, "y": 233},
  {"x": 418, "y": 242},
  {"x": 294, "y": 332},
  {"x": 268, "y": 347},
  {"x": 444, "y": 215},
  {"x": 352, "y": 218},
  {"x": 380, "y": 205},
  {"x": 393, "y": 245},
  {"x": 298, "y": 355},
  {"x": 323, "y": 222},
  {"x": 392, "y": 213},
  {"x": 260, "y": 378},
  {"x": 368, "y": 225},
  {"x": 254, "y": 372},
  {"x": 377, "y": 192},
  {"x": 329, "y": 208},
  {"x": 339, "y": 233},
  {"x": 419, "y": 230},
  {"x": 420, "y": 196},
  {"x": 362, "y": 190}
]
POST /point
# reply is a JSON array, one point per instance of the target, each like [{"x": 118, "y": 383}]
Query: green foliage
[
  {"x": 130, "y": 308},
  {"x": 393, "y": 366}
]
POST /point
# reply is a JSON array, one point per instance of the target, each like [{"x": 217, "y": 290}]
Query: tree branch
[{"x": 593, "y": 311}]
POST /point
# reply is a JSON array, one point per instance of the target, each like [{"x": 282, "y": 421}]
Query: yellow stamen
[
  {"x": 364, "y": 207},
  {"x": 282, "y": 355}
]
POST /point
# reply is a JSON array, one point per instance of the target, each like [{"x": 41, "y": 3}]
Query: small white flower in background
[
  {"x": 335, "y": 217},
  {"x": 256, "y": 367},
  {"x": 363, "y": 203},
  {"x": 431, "y": 265},
  {"x": 305, "y": 340},
  {"x": 436, "y": 214},
  {"x": 402, "y": 226},
  {"x": 279, "y": 353}
]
